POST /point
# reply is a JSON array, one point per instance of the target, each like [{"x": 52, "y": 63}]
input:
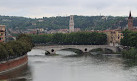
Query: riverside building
[
  {"x": 2, "y": 33},
  {"x": 113, "y": 37}
]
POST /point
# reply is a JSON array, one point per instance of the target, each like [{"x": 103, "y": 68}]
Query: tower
[
  {"x": 130, "y": 22},
  {"x": 71, "y": 24}
]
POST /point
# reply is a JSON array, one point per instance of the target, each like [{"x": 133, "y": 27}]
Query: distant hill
[{"x": 83, "y": 22}]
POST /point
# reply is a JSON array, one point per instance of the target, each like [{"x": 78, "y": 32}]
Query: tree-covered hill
[{"x": 83, "y": 22}]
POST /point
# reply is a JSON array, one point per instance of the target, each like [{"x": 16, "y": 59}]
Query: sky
[{"x": 49, "y": 8}]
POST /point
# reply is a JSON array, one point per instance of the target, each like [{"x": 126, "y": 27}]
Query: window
[
  {"x": 118, "y": 37},
  {"x": 1, "y": 34}
]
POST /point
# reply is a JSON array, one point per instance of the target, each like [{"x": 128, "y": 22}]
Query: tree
[
  {"x": 17, "y": 48},
  {"x": 74, "y": 38}
]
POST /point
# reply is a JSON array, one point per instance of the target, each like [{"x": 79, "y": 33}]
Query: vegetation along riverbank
[
  {"x": 14, "y": 49},
  {"x": 130, "y": 43},
  {"x": 75, "y": 38}
]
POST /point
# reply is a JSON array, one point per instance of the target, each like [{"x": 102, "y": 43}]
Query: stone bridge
[{"x": 84, "y": 48}]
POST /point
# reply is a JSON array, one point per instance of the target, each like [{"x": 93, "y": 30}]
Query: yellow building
[
  {"x": 113, "y": 37},
  {"x": 2, "y": 33}
]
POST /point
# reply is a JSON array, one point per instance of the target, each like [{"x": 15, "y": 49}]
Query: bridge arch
[
  {"x": 70, "y": 49},
  {"x": 102, "y": 50},
  {"x": 54, "y": 50}
]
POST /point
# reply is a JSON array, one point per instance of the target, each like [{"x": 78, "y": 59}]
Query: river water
[{"x": 64, "y": 67}]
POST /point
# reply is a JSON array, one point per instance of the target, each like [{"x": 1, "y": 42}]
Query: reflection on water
[
  {"x": 83, "y": 68},
  {"x": 20, "y": 74},
  {"x": 130, "y": 63}
]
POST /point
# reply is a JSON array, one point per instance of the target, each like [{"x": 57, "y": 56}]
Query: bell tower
[
  {"x": 130, "y": 22},
  {"x": 71, "y": 24}
]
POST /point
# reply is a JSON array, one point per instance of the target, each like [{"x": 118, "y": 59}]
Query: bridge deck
[{"x": 54, "y": 48}]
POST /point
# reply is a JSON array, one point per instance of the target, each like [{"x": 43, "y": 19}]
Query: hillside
[{"x": 83, "y": 22}]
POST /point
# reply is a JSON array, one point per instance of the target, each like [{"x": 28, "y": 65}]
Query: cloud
[{"x": 40, "y": 8}]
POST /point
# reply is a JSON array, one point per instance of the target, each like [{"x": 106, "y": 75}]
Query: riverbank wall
[{"x": 13, "y": 64}]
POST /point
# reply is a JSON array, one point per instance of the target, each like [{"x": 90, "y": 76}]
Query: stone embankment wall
[{"x": 12, "y": 64}]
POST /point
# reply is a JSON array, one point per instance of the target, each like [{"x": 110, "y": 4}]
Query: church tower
[
  {"x": 130, "y": 22},
  {"x": 71, "y": 24}
]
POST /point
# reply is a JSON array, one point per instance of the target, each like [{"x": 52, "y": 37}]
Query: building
[
  {"x": 77, "y": 29},
  {"x": 71, "y": 24},
  {"x": 2, "y": 33},
  {"x": 62, "y": 31},
  {"x": 130, "y": 22},
  {"x": 113, "y": 37}
]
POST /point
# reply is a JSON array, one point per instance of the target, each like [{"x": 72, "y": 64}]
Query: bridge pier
[
  {"x": 84, "y": 50},
  {"x": 52, "y": 51}
]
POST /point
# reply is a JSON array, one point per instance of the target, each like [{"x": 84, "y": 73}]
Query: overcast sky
[{"x": 48, "y": 8}]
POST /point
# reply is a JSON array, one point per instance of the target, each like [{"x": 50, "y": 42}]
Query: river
[{"x": 63, "y": 67}]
